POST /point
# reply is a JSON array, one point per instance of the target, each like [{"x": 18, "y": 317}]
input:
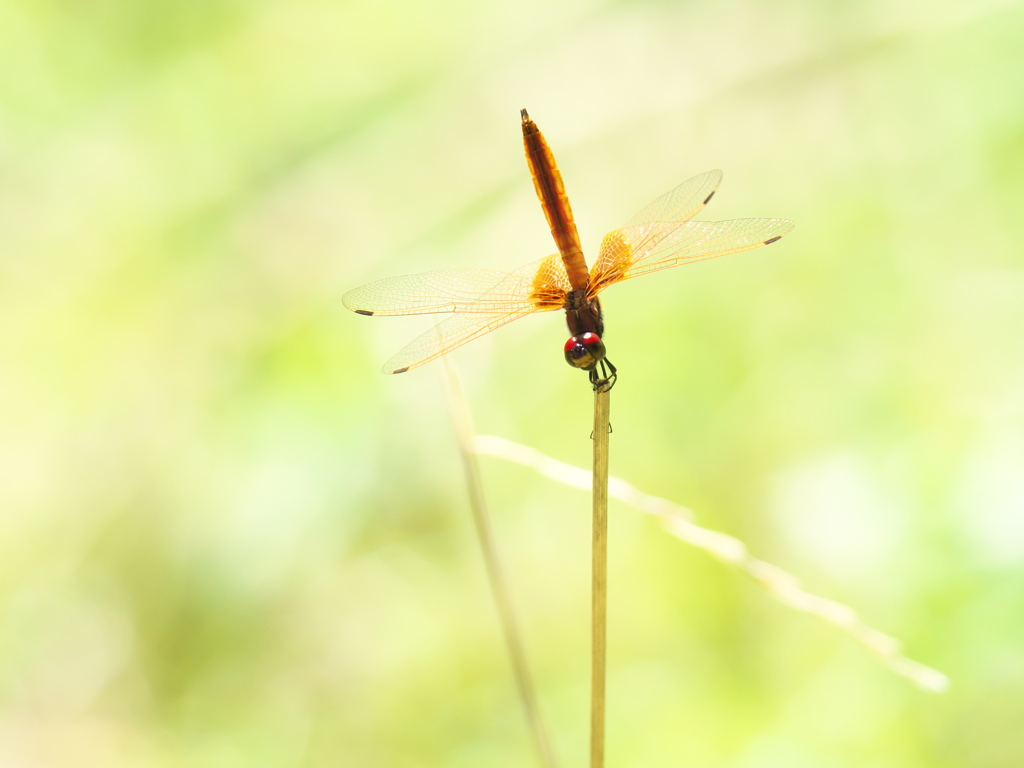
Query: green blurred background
[{"x": 226, "y": 539}]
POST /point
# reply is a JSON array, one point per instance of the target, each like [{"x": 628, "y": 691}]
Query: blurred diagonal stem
[
  {"x": 495, "y": 573},
  {"x": 680, "y": 522},
  {"x": 599, "y": 575}
]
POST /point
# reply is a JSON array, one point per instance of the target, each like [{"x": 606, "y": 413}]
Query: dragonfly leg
[{"x": 603, "y": 375}]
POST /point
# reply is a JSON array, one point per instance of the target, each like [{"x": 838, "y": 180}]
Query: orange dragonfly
[{"x": 481, "y": 300}]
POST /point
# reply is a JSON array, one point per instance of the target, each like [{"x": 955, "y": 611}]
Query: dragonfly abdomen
[{"x": 547, "y": 180}]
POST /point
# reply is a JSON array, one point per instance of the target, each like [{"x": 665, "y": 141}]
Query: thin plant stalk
[
  {"x": 495, "y": 573},
  {"x": 599, "y": 576},
  {"x": 680, "y": 522}
]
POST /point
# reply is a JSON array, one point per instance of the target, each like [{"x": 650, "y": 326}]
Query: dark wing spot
[
  {"x": 769, "y": 242},
  {"x": 363, "y": 312},
  {"x": 708, "y": 198},
  {"x": 401, "y": 370}
]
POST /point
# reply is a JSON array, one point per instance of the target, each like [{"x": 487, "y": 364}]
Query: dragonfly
[{"x": 660, "y": 236}]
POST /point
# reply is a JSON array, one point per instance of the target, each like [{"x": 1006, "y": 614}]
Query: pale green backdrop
[{"x": 227, "y": 540}]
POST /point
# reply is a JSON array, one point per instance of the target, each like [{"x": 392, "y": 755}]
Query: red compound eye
[{"x": 584, "y": 351}]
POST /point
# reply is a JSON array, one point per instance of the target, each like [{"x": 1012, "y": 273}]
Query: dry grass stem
[
  {"x": 679, "y": 521},
  {"x": 599, "y": 576},
  {"x": 495, "y": 574}
]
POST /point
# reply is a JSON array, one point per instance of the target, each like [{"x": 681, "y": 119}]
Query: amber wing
[
  {"x": 652, "y": 240},
  {"x": 481, "y": 299}
]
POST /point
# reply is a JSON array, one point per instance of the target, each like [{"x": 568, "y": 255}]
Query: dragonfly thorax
[{"x": 582, "y": 315}]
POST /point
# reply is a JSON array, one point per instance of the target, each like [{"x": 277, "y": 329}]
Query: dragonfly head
[{"x": 584, "y": 351}]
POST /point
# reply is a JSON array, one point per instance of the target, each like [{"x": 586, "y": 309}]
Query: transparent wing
[
  {"x": 683, "y": 202},
  {"x": 447, "y": 335},
  {"x": 637, "y": 250},
  {"x": 482, "y": 300},
  {"x": 445, "y": 290}
]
